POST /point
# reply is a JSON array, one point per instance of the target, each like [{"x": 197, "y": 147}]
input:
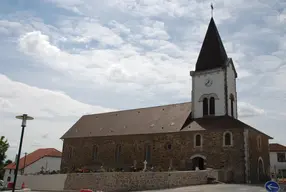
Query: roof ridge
[
  {"x": 277, "y": 144},
  {"x": 136, "y": 109},
  {"x": 32, "y": 157}
]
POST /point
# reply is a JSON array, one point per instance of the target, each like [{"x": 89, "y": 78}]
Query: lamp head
[{"x": 24, "y": 119}]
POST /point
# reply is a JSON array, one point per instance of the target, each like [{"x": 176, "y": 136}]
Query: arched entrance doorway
[
  {"x": 198, "y": 161},
  {"x": 260, "y": 170}
]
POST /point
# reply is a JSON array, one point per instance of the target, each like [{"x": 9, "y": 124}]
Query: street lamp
[{"x": 24, "y": 119}]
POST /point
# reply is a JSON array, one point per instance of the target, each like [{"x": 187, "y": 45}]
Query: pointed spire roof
[{"x": 212, "y": 54}]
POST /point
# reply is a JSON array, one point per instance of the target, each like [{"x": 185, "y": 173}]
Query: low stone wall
[
  {"x": 116, "y": 181},
  {"x": 133, "y": 181}
]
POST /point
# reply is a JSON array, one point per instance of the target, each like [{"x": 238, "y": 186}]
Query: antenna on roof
[{"x": 212, "y": 9}]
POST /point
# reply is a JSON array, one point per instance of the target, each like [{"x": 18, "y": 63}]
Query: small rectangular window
[
  {"x": 281, "y": 157},
  {"x": 281, "y": 173}
]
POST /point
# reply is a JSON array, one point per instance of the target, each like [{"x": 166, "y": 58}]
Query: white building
[
  {"x": 277, "y": 154},
  {"x": 48, "y": 159}
]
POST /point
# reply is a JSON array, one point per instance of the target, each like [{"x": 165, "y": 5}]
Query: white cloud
[
  {"x": 6, "y": 26},
  {"x": 54, "y": 113},
  {"x": 89, "y": 29},
  {"x": 17, "y": 97},
  {"x": 248, "y": 110},
  {"x": 108, "y": 66},
  {"x": 154, "y": 30},
  {"x": 119, "y": 28}
]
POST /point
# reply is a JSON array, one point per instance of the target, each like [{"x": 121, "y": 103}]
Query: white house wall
[
  {"x": 275, "y": 163},
  {"x": 200, "y": 89},
  {"x": 49, "y": 164},
  {"x": 8, "y": 174}
]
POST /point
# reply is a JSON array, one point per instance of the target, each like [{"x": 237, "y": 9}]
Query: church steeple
[
  {"x": 212, "y": 54},
  {"x": 214, "y": 80}
]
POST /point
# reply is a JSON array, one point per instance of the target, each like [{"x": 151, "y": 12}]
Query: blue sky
[{"x": 60, "y": 59}]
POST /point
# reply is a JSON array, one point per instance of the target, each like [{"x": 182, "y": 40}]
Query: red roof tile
[
  {"x": 35, "y": 156},
  {"x": 275, "y": 147}
]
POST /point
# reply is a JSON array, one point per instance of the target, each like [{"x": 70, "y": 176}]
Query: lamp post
[{"x": 24, "y": 119}]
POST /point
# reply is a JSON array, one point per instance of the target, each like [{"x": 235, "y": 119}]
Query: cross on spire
[{"x": 212, "y": 9}]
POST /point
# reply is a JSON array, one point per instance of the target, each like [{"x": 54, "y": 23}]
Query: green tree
[
  {"x": 7, "y": 162},
  {"x": 4, "y": 145}
]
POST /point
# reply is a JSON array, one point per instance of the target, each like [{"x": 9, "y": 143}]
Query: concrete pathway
[{"x": 215, "y": 188}]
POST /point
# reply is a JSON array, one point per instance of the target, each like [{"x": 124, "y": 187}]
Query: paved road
[
  {"x": 218, "y": 188},
  {"x": 212, "y": 188}
]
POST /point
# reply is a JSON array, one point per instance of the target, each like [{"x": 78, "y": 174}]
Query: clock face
[{"x": 208, "y": 82}]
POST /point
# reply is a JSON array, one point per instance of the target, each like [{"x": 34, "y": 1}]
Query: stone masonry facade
[
  {"x": 178, "y": 147},
  {"x": 134, "y": 181},
  {"x": 256, "y": 153}
]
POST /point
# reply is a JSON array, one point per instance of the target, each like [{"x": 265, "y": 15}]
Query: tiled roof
[
  {"x": 35, "y": 156},
  {"x": 160, "y": 119},
  {"x": 216, "y": 123},
  {"x": 275, "y": 147},
  {"x": 212, "y": 54}
]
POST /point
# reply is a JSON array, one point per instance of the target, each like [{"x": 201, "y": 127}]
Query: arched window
[
  {"x": 260, "y": 169},
  {"x": 8, "y": 179},
  {"x": 205, "y": 107},
  {"x": 94, "y": 152},
  {"x": 212, "y": 106},
  {"x": 227, "y": 138},
  {"x": 117, "y": 153},
  {"x": 198, "y": 140},
  {"x": 147, "y": 155},
  {"x": 259, "y": 142},
  {"x": 232, "y": 105}
]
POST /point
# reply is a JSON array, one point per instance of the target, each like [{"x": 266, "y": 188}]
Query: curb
[{"x": 24, "y": 190}]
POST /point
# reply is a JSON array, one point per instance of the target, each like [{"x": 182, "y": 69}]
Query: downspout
[
  {"x": 246, "y": 155},
  {"x": 192, "y": 74},
  {"x": 225, "y": 89}
]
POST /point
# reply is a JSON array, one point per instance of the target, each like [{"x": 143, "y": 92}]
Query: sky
[{"x": 61, "y": 59}]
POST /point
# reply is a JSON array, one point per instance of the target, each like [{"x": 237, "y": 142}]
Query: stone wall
[
  {"x": 255, "y": 153},
  {"x": 176, "y": 147},
  {"x": 133, "y": 181},
  {"x": 116, "y": 181}
]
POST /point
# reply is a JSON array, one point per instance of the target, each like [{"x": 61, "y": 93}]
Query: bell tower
[{"x": 214, "y": 79}]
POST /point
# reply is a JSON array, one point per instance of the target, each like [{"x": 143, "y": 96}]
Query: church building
[{"x": 204, "y": 133}]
